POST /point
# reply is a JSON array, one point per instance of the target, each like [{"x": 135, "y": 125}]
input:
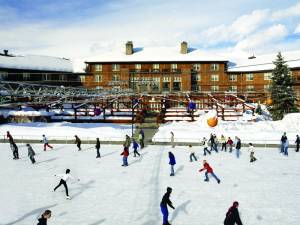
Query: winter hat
[
  {"x": 169, "y": 190},
  {"x": 235, "y": 204}
]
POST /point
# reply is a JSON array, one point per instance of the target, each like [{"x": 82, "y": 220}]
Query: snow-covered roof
[
  {"x": 157, "y": 54},
  {"x": 265, "y": 62},
  {"x": 36, "y": 62}
]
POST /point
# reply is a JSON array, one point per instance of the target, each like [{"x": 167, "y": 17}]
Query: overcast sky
[{"x": 83, "y": 28}]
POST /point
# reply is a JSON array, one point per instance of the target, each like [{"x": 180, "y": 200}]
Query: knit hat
[{"x": 235, "y": 204}]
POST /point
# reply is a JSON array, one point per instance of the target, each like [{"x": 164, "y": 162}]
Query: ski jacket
[
  {"x": 141, "y": 136},
  {"x": 97, "y": 144},
  {"x": 30, "y": 151},
  {"x": 77, "y": 140},
  {"x": 207, "y": 168},
  {"x": 238, "y": 144},
  {"x": 205, "y": 143},
  {"x": 166, "y": 201},
  {"x": 65, "y": 176},
  {"x": 135, "y": 145},
  {"x": 283, "y": 138},
  {"x": 13, "y": 146},
  {"x": 286, "y": 143},
  {"x": 232, "y": 217},
  {"x": 127, "y": 142},
  {"x": 223, "y": 140},
  {"x": 10, "y": 138},
  {"x": 297, "y": 140},
  {"x": 230, "y": 142},
  {"x": 191, "y": 150},
  {"x": 251, "y": 149},
  {"x": 42, "y": 221},
  {"x": 172, "y": 159},
  {"x": 125, "y": 152}
]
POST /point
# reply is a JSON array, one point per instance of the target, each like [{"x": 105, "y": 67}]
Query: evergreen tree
[{"x": 282, "y": 93}]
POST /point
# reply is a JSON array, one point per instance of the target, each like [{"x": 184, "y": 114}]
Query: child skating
[
  {"x": 135, "y": 146},
  {"x": 205, "y": 146},
  {"x": 63, "y": 181},
  {"x": 44, "y": 217},
  {"x": 192, "y": 154},
  {"x": 31, "y": 153},
  {"x": 125, "y": 155},
  {"x": 209, "y": 170},
  {"x": 251, "y": 149}
]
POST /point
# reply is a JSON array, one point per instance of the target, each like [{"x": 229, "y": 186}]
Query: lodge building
[{"x": 171, "y": 70}]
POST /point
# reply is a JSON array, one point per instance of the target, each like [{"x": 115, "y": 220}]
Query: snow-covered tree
[{"x": 282, "y": 93}]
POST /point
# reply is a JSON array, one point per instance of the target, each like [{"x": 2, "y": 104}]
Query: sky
[{"x": 84, "y": 28}]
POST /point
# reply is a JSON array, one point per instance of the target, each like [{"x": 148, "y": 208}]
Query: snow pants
[
  {"x": 79, "y": 146},
  {"x": 32, "y": 159},
  {"x": 165, "y": 212},
  {"x": 206, "y": 150},
  {"x": 47, "y": 145},
  {"x": 172, "y": 170},
  {"x": 238, "y": 152},
  {"x": 98, "y": 153},
  {"x": 135, "y": 152},
  {"x": 213, "y": 175},
  {"x": 192, "y": 155},
  {"x": 62, "y": 182},
  {"x": 142, "y": 143},
  {"x": 16, "y": 154},
  {"x": 125, "y": 162},
  {"x": 286, "y": 151},
  {"x": 224, "y": 146}
]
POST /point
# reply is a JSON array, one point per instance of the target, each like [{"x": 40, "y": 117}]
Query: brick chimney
[
  {"x": 184, "y": 47},
  {"x": 129, "y": 48}
]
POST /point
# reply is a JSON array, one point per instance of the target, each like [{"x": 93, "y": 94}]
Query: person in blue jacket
[
  {"x": 164, "y": 206},
  {"x": 135, "y": 146},
  {"x": 172, "y": 162}
]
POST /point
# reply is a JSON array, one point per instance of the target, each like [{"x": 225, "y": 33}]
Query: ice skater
[
  {"x": 192, "y": 154},
  {"x": 46, "y": 143},
  {"x": 208, "y": 170},
  {"x": 224, "y": 143},
  {"x": 44, "y": 217},
  {"x": 232, "y": 215},
  {"x": 165, "y": 202},
  {"x": 172, "y": 140},
  {"x": 78, "y": 142},
  {"x": 31, "y": 153},
  {"x": 172, "y": 162},
  {"x": 142, "y": 138},
  {"x": 135, "y": 146},
  {"x": 282, "y": 140},
  {"x": 297, "y": 142},
  {"x": 205, "y": 146},
  {"x": 15, "y": 150},
  {"x": 98, "y": 148},
  {"x": 251, "y": 149},
  {"x": 125, "y": 155},
  {"x": 238, "y": 147},
  {"x": 286, "y": 147},
  {"x": 63, "y": 181},
  {"x": 230, "y": 144},
  {"x": 9, "y": 137}
]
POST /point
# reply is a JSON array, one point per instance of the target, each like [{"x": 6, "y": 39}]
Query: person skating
[
  {"x": 211, "y": 140},
  {"x": 209, "y": 170},
  {"x": 9, "y": 137},
  {"x": 15, "y": 150},
  {"x": 232, "y": 215},
  {"x": 78, "y": 142},
  {"x": 230, "y": 144},
  {"x": 285, "y": 147},
  {"x": 282, "y": 140},
  {"x": 238, "y": 147},
  {"x": 192, "y": 154},
  {"x": 165, "y": 202},
  {"x": 251, "y": 149},
  {"x": 98, "y": 148},
  {"x": 205, "y": 146},
  {"x": 46, "y": 143},
  {"x": 172, "y": 140},
  {"x": 215, "y": 144},
  {"x": 125, "y": 155},
  {"x": 127, "y": 142},
  {"x": 135, "y": 146},
  {"x": 297, "y": 142},
  {"x": 142, "y": 138},
  {"x": 172, "y": 162},
  {"x": 44, "y": 217},
  {"x": 31, "y": 153},
  {"x": 224, "y": 143},
  {"x": 63, "y": 181}
]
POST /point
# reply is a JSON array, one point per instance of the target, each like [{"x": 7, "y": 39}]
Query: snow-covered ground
[
  {"x": 264, "y": 132},
  {"x": 66, "y": 131},
  {"x": 109, "y": 194}
]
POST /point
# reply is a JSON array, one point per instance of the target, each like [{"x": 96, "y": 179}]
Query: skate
[{"x": 68, "y": 197}]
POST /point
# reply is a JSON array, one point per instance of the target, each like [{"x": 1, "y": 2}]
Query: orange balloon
[{"x": 212, "y": 122}]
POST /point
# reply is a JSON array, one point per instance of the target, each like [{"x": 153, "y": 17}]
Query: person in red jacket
[
  {"x": 232, "y": 216},
  {"x": 230, "y": 143},
  {"x": 208, "y": 170},
  {"x": 125, "y": 155}
]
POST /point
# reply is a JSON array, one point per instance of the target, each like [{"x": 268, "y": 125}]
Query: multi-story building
[{"x": 38, "y": 69}]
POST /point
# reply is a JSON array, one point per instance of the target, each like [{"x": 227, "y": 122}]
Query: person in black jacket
[
  {"x": 297, "y": 142},
  {"x": 46, "y": 215},
  {"x": 78, "y": 142},
  {"x": 238, "y": 147},
  {"x": 232, "y": 216},
  {"x": 163, "y": 206},
  {"x": 98, "y": 147}
]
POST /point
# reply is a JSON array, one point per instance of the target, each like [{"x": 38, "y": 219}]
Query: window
[
  {"x": 166, "y": 86},
  {"x": 26, "y": 76},
  {"x": 3, "y": 75},
  {"x": 166, "y": 79},
  {"x": 156, "y": 79},
  {"x": 138, "y": 67},
  {"x": 98, "y": 78},
  {"x": 155, "y": 67},
  {"x": 267, "y": 87},
  {"x": 176, "y": 86},
  {"x": 214, "y": 88},
  {"x": 214, "y": 77},
  {"x": 249, "y": 77},
  {"x": 115, "y": 67},
  {"x": 232, "y": 89},
  {"x": 232, "y": 77},
  {"x": 173, "y": 67},
  {"x": 116, "y": 88},
  {"x": 197, "y": 67},
  {"x": 82, "y": 78},
  {"x": 214, "y": 67},
  {"x": 98, "y": 67},
  {"x": 249, "y": 88},
  {"x": 267, "y": 76},
  {"x": 115, "y": 77}
]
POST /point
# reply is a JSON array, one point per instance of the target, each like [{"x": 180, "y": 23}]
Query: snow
[
  {"x": 36, "y": 62},
  {"x": 267, "y": 190},
  {"x": 66, "y": 131},
  {"x": 265, "y": 62},
  {"x": 157, "y": 54},
  {"x": 263, "y": 131}
]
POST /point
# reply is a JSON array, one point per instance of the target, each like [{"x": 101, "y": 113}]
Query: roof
[
  {"x": 157, "y": 54},
  {"x": 265, "y": 62},
  {"x": 36, "y": 62}
]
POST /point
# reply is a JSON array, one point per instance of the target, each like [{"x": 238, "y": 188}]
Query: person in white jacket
[
  {"x": 63, "y": 181},
  {"x": 251, "y": 150},
  {"x": 205, "y": 145},
  {"x": 192, "y": 154},
  {"x": 46, "y": 143}
]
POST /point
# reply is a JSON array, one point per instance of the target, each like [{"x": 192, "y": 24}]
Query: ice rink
[{"x": 109, "y": 194}]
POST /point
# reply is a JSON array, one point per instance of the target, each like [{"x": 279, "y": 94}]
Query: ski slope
[{"x": 109, "y": 194}]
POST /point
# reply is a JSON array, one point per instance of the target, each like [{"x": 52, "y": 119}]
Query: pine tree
[{"x": 282, "y": 93}]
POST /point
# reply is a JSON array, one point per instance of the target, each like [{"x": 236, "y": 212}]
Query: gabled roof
[
  {"x": 156, "y": 54},
  {"x": 265, "y": 62},
  {"x": 36, "y": 62}
]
